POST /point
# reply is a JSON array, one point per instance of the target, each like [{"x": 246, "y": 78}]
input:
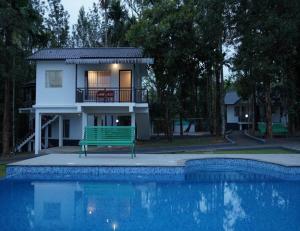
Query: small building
[
  {"x": 77, "y": 87},
  {"x": 239, "y": 112}
]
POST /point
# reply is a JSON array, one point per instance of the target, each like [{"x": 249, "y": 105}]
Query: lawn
[
  {"x": 2, "y": 170},
  {"x": 177, "y": 141},
  {"x": 245, "y": 151}
]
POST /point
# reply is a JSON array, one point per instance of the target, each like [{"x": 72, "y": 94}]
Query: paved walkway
[{"x": 150, "y": 160}]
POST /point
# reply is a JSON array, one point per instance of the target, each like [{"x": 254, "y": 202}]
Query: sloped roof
[
  {"x": 231, "y": 97},
  {"x": 87, "y": 53}
]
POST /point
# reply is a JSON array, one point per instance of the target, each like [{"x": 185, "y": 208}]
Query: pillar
[
  {"x": 133, "y": 119},
  {"x": 84, "y": 121},
  {"x": 60, "y": 130},
  {"x": 37, "y": 139}
]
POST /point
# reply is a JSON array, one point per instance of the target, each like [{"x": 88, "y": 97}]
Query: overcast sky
[{"x": 73, "y": 6}]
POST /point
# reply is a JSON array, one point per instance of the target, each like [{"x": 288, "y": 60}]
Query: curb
[{"x": 254, "y": 137}]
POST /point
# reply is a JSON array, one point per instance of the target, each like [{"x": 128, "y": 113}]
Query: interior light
[
  {"x": 114, "y": 226},
  {"x": 246, "y": 115},
  {"x": 117, "y": 121}
]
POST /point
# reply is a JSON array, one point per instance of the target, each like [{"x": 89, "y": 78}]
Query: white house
[
  {"x": 76, "y": 87},
  {"x": 239, "y": 112}
]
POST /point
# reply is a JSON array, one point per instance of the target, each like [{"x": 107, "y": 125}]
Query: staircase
[{"x": 31, "y": 136}]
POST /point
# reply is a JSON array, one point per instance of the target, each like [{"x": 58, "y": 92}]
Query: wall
[
  {"x": 75, "y": 127},
  {"x": 231, "y": 118},
  {"x": 55, "y": 96}
]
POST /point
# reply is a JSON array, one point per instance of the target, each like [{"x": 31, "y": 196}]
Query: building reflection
[{"x": 219, "y": 205}]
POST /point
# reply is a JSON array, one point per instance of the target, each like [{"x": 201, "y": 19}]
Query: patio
[{"x": 161, "y": 160}]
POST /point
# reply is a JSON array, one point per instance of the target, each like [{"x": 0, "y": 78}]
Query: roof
[
  {"x": 87, "y": 53},
  {"x": 231, "y": 97}
]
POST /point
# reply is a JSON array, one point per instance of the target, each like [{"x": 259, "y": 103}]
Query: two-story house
[{"x": 77, "y": 87}]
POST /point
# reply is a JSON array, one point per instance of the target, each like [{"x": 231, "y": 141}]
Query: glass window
[
  {"x": 53, "y": 79},
  {"x": 98, "y": 79},
  {"x": 237, "y": 111},
  {"x": 66, "y": 128}
]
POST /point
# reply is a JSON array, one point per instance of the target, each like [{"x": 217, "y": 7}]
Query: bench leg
[
  {"x": 85, "y": 148},
  {"x": 133, "y": 151}
]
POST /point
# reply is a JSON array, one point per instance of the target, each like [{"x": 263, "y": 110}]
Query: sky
[{"x": 73, "y": 6}]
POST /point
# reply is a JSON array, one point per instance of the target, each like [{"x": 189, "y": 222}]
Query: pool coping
[{"x": 157, "y": 173}]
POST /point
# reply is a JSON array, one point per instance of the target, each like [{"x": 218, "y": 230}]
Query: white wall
[
  {"x": 231, "y": 118},
  {"x": 55, "y": 96},
  {"x": 75, "y": 127}
]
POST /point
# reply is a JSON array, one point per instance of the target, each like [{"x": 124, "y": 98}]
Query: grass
[
  {"x": 2, "y": 170},
  {"x": 177, "y": 141},
  {"x": 245, "y": 151}
]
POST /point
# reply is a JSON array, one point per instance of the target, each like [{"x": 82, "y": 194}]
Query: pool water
[{"x": 251, "y": 203}]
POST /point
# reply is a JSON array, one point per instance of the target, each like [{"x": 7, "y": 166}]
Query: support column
[
  {"x": 37, "y": 139},
  {"x": 133, "y": 119},
  {"x": 84, "y": 121},
  {"x": 60, "y": 131}
]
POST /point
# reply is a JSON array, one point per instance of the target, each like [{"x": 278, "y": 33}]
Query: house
[
  {"x": 239, "y": 112},
  {"x": 78, "y": 87}
]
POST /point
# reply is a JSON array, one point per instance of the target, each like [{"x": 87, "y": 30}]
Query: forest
[{"x": 191, "y": 41}]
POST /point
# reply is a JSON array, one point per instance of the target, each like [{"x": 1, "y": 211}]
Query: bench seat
[{"x": 108, "y": 136}]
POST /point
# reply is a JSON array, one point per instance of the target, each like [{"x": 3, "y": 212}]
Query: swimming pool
[{"x": 209, "y": 197}]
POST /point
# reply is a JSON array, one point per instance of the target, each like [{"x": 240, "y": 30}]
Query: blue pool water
[{"x": 229, "y": 201}]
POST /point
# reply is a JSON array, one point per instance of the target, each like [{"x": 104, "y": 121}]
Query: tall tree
[
  {"x": 20, "y": 30},
  {"x": 81, "y": 30},
  {"x": 57, "y": 23}
]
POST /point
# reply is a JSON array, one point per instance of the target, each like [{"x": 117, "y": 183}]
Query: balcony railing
[{"x": 111, "y": 95}]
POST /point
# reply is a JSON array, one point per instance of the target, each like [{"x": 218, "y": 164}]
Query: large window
[
  {"x": 99, "y": 79},
  {"x": 54, "y": 79}
]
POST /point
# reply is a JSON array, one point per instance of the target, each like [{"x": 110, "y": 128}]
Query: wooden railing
[{"x": 111, "y": 95}]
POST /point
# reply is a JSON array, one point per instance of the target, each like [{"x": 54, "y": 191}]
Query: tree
[
  {"x": 57, "y": 23},
  {"x": 81, "y": 30},
  {"x": 266, "y": 36},
  {"x": 21, "y": 29}
]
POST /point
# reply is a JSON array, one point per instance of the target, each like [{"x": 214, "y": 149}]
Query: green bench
[
  {"x": 277, "y": 128},
  {"x": 108, "y": 136}
]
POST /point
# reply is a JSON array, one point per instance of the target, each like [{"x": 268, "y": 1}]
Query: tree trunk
[
  {"x": 181, "y": 124},
  {"x": 222, "y": 103},
  {"x": 253, "y": 114},
  {"x": 6, "y": 122},
  {"x": 218, "y": 102},
  {"x": 268, "y": 110}
]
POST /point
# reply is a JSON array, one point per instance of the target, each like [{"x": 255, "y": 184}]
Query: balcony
[{"x": 111, "y": 95}]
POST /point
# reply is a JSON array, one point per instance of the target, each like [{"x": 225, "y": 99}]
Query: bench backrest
[
  {"x": 109, "y": 133},
  {"x": 278, "y": 126}
]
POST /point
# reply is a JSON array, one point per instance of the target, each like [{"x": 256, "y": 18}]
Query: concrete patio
[{"x": 292, "y": 160}]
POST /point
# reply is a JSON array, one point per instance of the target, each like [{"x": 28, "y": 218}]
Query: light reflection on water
[{"x": 227, "y": 205}]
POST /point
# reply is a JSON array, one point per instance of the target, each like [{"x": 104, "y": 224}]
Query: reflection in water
[
  {"x": 232, "y": 206},
  {"x": 218, "y": 205}
]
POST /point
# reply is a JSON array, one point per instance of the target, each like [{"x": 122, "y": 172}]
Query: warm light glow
[
  {"x": 115, "y": 66},
  {"x": 114, "y": 226},
  {"x": 91, "y": 210}
]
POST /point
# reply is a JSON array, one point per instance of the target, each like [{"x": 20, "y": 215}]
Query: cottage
[{"x": 77, "y": 87}]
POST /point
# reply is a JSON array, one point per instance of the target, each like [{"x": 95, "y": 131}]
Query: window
[
  {"x": 99, "y": 79},
  {"x": 237, "y": 111},
  {"x": 54, "y": 79},
  {"x": 66, "y": 126}
]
